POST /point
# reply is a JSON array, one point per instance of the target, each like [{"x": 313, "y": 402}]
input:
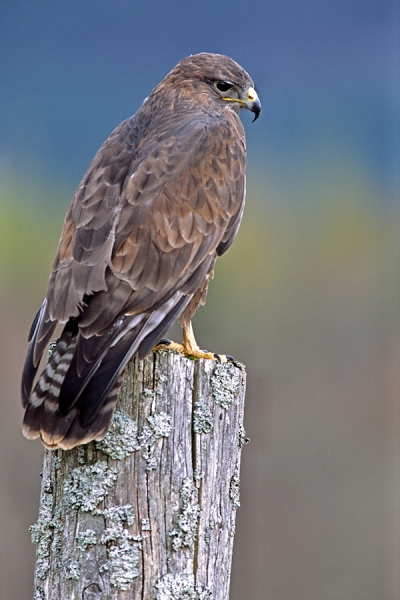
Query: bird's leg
[{"x": 190, "y": 347}]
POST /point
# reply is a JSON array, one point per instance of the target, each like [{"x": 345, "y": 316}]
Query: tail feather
[
  {"x": 82, "y": 434},
  {"x": 76, "y": 394},
  {"x": 43, "y": 402},
  {"x": 39, "y": 336},
  {"x": 84, "y": 365}
]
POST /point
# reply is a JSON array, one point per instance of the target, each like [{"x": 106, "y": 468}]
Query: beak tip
[{"x": 255, "y": 107}]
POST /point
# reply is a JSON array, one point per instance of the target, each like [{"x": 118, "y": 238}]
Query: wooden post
[{"x": 149, "y": 512}]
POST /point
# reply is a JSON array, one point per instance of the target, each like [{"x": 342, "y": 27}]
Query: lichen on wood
[
  {"x": 149, "y": 512},
  {"x": 85, "y": 487},
  {"x": 122, "y": 547},
  {"x": 202, "y": 418},
  {"x": 185, "y": 532},
  {"x": 180, "y": 586},
  {"x": 121, "y": 438},
  {"x": 225, "y": 382}
]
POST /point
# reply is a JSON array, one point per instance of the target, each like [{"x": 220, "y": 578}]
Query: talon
[
  {"x": 229, "y": 358},
  {"x": 189, "y": 348},
  {"x": 166, "y": 344}
]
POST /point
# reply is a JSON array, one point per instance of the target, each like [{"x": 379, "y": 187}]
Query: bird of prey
[{"x": 161, "y": 200}]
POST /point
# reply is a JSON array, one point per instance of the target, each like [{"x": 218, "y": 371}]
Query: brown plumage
[{"x": 162, "y": 198}]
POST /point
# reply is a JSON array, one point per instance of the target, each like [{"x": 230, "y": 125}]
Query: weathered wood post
[{"x": 149, "y": 512}]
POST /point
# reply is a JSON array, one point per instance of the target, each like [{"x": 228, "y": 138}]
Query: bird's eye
[{"x": 224, "y": 86}]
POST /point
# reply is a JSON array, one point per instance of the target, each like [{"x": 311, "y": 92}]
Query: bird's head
[{"x": 216, "y": 78}]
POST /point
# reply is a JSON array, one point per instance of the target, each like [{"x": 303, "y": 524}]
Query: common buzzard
[{"x": 161, "y": 200}]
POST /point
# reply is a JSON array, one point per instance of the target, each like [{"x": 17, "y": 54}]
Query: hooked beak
[{"x": 253, "y": 102}]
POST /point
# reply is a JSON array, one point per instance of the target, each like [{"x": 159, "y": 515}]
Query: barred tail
[
  {"x": 75, "y": 396},
  {"x": 42, "y": 408}
]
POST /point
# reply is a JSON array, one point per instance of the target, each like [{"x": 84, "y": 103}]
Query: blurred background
[{"x": 307, "y": 297}]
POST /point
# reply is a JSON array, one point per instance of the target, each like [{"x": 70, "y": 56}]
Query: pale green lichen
[
  {"x": 145, "y": 524},
  {"x": 116, "y": 518},
  {"x": 123, "y": 558},
  {"x": 202, "y": 418},
  {"x": 150, "y": 393},
  {"x": 151, "y": 461},
  {"x": 234, "y": 491},
  {"x": 184, "y": 534},
  {"x": 85, "y": 487},
  {"x": 39, "y": 594},
  {"x": 81, "y": 455},
  {"x": 58, "y": 530},
  {"x": 204, "y": 594},
  {"x": 42, "y": 535},
  {"x": 46, "y": 532},
  {"x": 225, "y": 383},
  {"x": 180, "y": 586},
  {"x": 84, "y": 539},
  {"x": 73, "y": 568},
  {"x": 122, "y": 546},
  {"x": 177, "y": 586},
  {"x": 56, "y": 460},
  {"x": 197, "y": 476},
  {"x": 146, "y": 437},
  {"x": 121, "y": 439},
  {"x": 242, "y": 437},
  {"x": 48, "y": 486},
  {"x": 159, "y": 425}
]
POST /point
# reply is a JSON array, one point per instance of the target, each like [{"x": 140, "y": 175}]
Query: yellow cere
[{"x": 251, "y": 94}]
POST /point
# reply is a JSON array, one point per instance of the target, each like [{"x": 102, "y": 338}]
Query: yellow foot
[{"x": 192, "y": 352}]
